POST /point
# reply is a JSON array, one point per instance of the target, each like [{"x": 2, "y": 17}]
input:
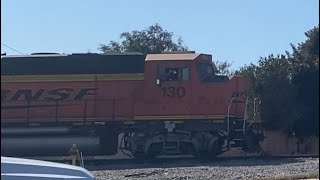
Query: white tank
[{"x": 28, "y": 169}]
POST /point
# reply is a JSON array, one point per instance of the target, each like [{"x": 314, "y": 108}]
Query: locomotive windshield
[{"x": 207, "y": 73}]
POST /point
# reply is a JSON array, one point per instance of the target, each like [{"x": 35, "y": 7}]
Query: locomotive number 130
[{"x": 173, "y": 91}]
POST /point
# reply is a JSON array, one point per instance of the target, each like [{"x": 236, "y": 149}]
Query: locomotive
[{"x": 142, "y": 105}]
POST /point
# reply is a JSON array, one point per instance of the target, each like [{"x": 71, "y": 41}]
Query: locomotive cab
[{"x": 186, "y": 84}]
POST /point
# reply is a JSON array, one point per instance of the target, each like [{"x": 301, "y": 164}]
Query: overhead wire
[{"x": 12, "y": 49}]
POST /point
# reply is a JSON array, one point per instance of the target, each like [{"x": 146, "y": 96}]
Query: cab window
[
  {"x": 207, "y": 74},
  {"x": 174, "y": 73}
]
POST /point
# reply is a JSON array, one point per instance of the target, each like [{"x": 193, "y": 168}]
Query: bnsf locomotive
[{"x": 144, "y": 105}]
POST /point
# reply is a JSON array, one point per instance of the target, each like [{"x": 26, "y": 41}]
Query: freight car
[{"x": 168, "y": 103}]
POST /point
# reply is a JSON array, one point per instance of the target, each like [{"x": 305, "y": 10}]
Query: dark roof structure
[{"x": 89, "y": 63}]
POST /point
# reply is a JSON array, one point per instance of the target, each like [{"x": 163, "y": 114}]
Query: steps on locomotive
[
  {"x": 171, "y": 148},
  {"x": 237, "y": 143},
  {"x": 237, "y": 137}
]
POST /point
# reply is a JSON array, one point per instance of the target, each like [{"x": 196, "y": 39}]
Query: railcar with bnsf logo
[{"x": 169, "y": 103}]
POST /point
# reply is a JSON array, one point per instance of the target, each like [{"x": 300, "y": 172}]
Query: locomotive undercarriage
[
  {"x": 200, "y": 138},
  {"x": 140, "y": 139},
  {"x": 143, "y": 146}
]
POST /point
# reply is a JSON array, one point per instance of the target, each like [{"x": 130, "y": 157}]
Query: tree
[
  {"x": 152, "y": 40},
  {"x": 305, "y": 77},
  {"x": 222, "y": 68},
  {"x": 288, "y": 86},
  {"x": 269, "y": 82}
]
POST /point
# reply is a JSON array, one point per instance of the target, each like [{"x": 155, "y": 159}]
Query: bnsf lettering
[
  {"x": 58, "y": 94},
  {"x": 85, "y": 92},
  {"x": 4, "y": 94},
  {"x": 27, "y": 95}
]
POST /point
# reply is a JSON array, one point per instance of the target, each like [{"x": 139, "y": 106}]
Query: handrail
[
  {"x": 254, "y": 109},
  {"x": 81, "y": 157},
  {"x": 245, "y": 115},
  {"x": 228, "y": 121}
]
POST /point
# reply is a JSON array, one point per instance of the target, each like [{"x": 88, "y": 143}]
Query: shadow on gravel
[{"x": 188, "y": 162}]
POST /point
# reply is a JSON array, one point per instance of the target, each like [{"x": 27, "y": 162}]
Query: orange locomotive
[{"x": 170, "y": 103}]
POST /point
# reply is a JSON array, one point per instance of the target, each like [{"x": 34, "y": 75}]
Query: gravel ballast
[{"x": 252, "y": 168}]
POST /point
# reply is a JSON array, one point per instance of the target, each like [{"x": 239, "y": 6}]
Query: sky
[{"x": 237, "y": 31}]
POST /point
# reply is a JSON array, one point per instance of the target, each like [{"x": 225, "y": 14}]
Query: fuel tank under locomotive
[{"x": 57, "y": 141}]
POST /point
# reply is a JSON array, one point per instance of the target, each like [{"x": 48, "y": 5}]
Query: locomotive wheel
[
  {"x": 209, "y": 154},
  {"x": 187, "y": 148},
  {"x": 154, "y": 150}
]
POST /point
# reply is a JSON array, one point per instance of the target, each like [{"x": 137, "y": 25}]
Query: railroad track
[
  {"x": 274, "y": 167},
  {"x": 266, "y": 168},
  {"x": 107, "y": 160}
]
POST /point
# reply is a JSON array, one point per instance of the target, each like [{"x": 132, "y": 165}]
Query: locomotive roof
[
  {"x": 86, "y": 63},
  {"x": 185, "y": 56},
  {"x": 91, "y": 63},
  {"x": 173, "y": 57}
]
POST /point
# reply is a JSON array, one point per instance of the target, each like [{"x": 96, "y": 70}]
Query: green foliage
[
  {"x": 305, "y": 65},
  {"x": 288, "y": 86},
  {"x": 152, "y": 40},
  {"x": 222, "y": 68}
]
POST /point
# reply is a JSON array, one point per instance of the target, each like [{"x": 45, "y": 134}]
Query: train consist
[{"x": 145, "y": 105}]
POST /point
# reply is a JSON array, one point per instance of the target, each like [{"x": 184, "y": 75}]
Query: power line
[{"x": 12, "y": 48}]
